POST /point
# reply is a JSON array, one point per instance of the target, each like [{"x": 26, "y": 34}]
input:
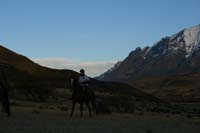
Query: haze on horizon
[{"x": 90, "y": 34}]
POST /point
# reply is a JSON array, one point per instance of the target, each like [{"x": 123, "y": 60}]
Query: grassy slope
[
  {"x": 23, "y": 64},
  {"x": 175, "y": 88},
  {"x": 25, "y": 76}
]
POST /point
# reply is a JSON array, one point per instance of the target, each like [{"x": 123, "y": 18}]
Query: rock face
[{"x": 178, "y": 54}]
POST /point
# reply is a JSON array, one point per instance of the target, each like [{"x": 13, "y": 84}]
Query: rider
[{"x": 84, "y": 80}]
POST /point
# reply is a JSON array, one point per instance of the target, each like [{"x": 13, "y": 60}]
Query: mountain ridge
[
  {"x": 180, "y": 51},
  {"x": 170, "y": 69}
]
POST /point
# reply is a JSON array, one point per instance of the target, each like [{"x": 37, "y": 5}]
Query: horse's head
[{"x": 71, "y": 81}]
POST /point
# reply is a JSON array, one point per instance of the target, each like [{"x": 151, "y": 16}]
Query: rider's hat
[{"x": 82, "y": 71}]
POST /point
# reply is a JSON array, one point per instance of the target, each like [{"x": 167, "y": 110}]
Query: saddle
[
  {"x": 82, "y": 92},
  {"x": 85, "y": 91}
]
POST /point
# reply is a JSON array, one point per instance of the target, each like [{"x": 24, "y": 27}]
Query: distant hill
[
  {"x": 28, "y": 77},
  {"x": 23, "y": 64}
]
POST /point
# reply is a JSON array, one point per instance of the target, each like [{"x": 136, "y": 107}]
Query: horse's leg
[
  {"x": 7, "y": 109},
  {"x": 93, "y": 101},
  {"x": 90, "y": 111},
  {"x": 3, "y": 107},
  {"x": 81, "y": 109},
  {"x": 94, "y": 106},
  {"x": 73, "y": 106}
]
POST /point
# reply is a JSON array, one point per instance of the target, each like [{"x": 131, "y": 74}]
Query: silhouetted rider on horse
[
  {"x": 84, "y": 82},
  {"x": 82, "y": 93}
]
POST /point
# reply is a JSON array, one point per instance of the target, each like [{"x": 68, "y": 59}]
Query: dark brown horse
[{"x": 82, "y": 95}]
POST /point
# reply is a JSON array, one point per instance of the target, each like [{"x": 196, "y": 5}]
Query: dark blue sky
[{"x": 91, "y": 30}]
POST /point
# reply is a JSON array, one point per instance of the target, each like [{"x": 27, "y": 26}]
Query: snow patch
[{"x": 192, "y": 39}]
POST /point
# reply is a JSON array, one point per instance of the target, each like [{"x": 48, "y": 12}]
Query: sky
[{"x": 90, "y": 34}]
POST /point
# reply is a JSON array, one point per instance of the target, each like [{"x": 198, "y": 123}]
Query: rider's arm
[
  {"x": 84, "y": 80},
  {"x": 87, "y": 80}
]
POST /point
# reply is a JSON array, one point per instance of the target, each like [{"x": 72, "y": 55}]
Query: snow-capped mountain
[
  {"x": 109, "y": 70},
  {"x": 178, "y": 54}
]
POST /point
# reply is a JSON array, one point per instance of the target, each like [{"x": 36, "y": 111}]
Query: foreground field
[{"x": 27, "y": 120}]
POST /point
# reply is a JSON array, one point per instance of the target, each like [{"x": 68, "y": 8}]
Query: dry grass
[{"x": 57, "y": 121}]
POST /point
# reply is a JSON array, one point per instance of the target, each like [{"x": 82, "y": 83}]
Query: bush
[
  {"x": 35, "y": 111},
  {"x": 64, "y": 108},
  {"x": 102, "y": 107}
]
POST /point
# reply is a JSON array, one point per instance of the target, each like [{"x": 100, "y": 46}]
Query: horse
[{"x": 81, "y": 95}]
